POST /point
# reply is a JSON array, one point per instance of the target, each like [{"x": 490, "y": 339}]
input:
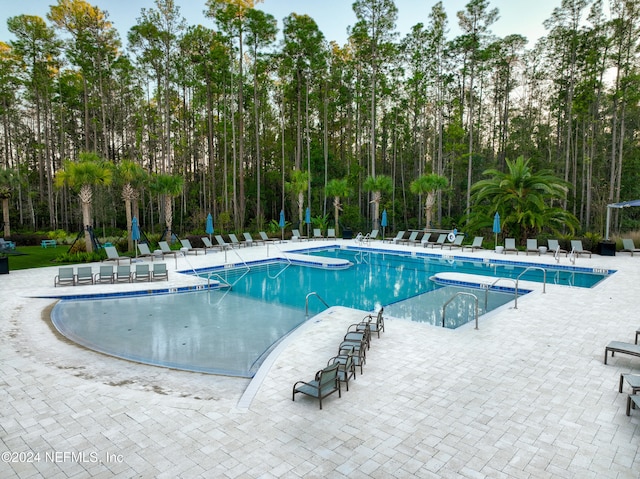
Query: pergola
[{"x": 623, "y": 204}]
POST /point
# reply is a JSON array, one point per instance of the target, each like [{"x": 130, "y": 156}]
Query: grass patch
[{"x": 26, "y": 257}]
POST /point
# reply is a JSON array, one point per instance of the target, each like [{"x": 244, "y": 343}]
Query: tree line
[{"x": 242, "y": 121}]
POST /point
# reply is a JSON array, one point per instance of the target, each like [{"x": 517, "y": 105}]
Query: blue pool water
[{"x": 230, "y": 331}]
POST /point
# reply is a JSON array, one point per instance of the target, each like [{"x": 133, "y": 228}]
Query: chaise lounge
[{"x": 622, "y": 348}]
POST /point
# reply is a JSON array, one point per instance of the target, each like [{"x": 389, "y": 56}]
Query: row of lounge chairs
[
  {"x": 633, "y": 380},
  {"x": 317, "y": 235},
  {"x": 68, "y": 276},
  {"x": 351, "y": 355}
]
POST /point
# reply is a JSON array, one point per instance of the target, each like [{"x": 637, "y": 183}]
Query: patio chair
[
  {"x": 628, "y": 246},
  {"x": 373, "y": 235},
  {"x": 376, "y": 327},
  {"x": 248, "y": 239},
  {"x": 346, "y": 368},
  {"x": 84, "y": 275},
  {"x": 222, "y": 243},
  {"x": 104, "y": 275},
  {"x": 554, "y": 247},
  {"x": 65, "y": 277},
  {"x": 265, "y": 238},
  {"x": 358, "y": 332},
  {"x": 510, "y": 245},
  {"x": 456, "y": 243},
  {"x": 208, "y": 244},
  {"x": 532, "y": 246},
  {"x": 317, "y": 234},
  {"x": 326, "y": 382},
  {"x": 112, "y": 255},
  {"x": 144, "y": 250},
  {"x": 477, "y": 244},
  {"x": 633, "y": 380},
  {"x": 622, "y": 348},
  {"x": 190, "y": 249},
  {"x": 359, "y": 350},
  {"x": 122, "y": 274},
  {"x": 166, "y": 251},
  {"x": 576, "y": 247},
  {"x": 159, "y": 272},
  {"x": 396, "y": 239},
  {"x": 234, "y": 241},
  {"x": 297, "y": 236},
  {"x": 141, "y": 273},
  {"x": 331, "y": 233},
  {"x": 633, "y": 400}
]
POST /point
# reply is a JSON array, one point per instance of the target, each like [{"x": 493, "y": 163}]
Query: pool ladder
[
  {"x": 460, "y": 293},
  {"x": 306, "y": 302}
]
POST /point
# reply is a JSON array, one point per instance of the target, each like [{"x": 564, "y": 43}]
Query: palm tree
[
  {"x": 524, "y": 199},
  {"x": 169, "y": 186},
  {"x": 131, "y": 175},
  {"x": 337, "y": 189},
  {"x": 429, "y": 185},
  {"x": 8, "y": 181},
  {"x": 377, "y": 185},
  {"x": 90, "y": 170},
  {"x": 297, "y": 186}
]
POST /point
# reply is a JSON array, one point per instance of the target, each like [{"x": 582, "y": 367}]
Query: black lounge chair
[
  {"x": 346, "y": 368},
  {"x": 376, "y": 327},
  {"x": 622, "y": 348},
  {"x": 326, "y": 382}
]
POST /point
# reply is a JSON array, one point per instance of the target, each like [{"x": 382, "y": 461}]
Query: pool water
[{"x": 230, "y": 331}]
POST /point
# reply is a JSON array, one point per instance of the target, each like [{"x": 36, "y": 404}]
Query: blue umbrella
[
  {"x": 307, "y": 218},
  {"x": 496, "y": 226},
  {"x": 135, "y": 233},
  {"x": 209, "y": 228},
  {"x": 384, "y": 222},
  {"x": 282, "y": 222}
]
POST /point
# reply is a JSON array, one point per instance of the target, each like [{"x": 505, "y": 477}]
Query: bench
[
  {"x": 621, "y": 347},
  {"x": 47, "y": 243}
]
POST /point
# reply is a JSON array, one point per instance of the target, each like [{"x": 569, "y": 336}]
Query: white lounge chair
[
  {"x": 141, "y": 273},
  {"x": 190, "y": 249},
  {"x": 331, "y": 233},
  {"x": 456, "y": 243},
  {"x": 112, "y": 255},
  {"x": 510, "y": 245},
  {"x": 250, "y": 241},
  {"x": 145, "y": 252},
  {"x": 65, "y": 277},
  {"x": 222, "y": 243},
  {"x": 397, "y": 239},
  {"x": 160, "y": 272},
  {"x": 265, "y": 238},
  {"x": 554, "y": 247},
  {"x": 532, "y": 246},
  {"x": 208, "y": 244},
  {"x": 234, "y": 241},
  {"x": 104, "y": 275},
  {"x": 297, "y": 236},
  {"x": 628, "y": 246},
  {"x": 122, "y": 274},
  {"x": 84, "y": 275},
  {"x": 166, "y": 251},
  {"x": 477, "y": 244},
  {"x": 576, "y": 247},
  {"x": 317, "y": 234}
]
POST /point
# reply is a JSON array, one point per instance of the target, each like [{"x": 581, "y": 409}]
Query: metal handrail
[
  {"x": 306, "y": 302},
  {"x": 544, "y": 276},
  {"x": 486, "y": 292},
  {"x": 460, "y": 293}
]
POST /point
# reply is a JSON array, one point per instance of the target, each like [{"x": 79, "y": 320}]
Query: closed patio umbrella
[
  {"x": 135, "y": 233},
  {"x": 307, "y": 219},
  {"x": 209, "y": 227},
  {"x": 384, "y": 222},
  {"x": 281, "y": 223},
  {"x": 496, "y": 226}
]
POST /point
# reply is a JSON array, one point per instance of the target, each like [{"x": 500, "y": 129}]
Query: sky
[{"x": 332, "y": 16}]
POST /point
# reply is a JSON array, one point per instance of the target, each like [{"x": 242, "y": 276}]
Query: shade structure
[
  {"x": 135, "y": 233},
  {"x": 209, "y": 228},
  {"x": 496, "y": 226},
  {"x": 623, "y": 204}
]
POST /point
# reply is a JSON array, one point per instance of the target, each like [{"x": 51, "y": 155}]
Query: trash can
[
  {"x": 4, "y": 265},
  {"x": 347, "y": 233},
  {"x": 607, "y": 248}
]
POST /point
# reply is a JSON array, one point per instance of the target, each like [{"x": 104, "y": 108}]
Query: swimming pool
[{"x": 229, "y": 331}]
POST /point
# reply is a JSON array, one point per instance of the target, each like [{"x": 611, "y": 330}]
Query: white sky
[{"x": 523, "y": 17}]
